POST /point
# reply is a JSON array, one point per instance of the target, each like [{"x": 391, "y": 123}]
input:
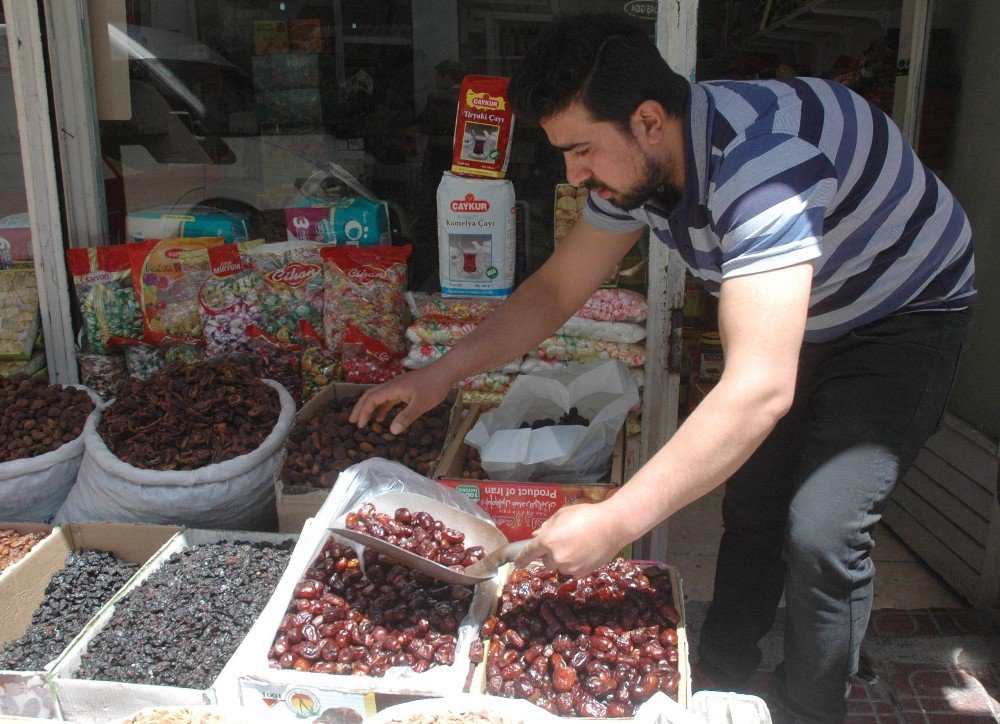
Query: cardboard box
[
  {"x": 286, "y": 70},
  {"x": 292, "y": 106},
  {"x": 270, "y": 36},
  {"x": 683, "y": 662},
  {"x": 305, "y": 35},
  {"x": 295, "y": 510},
  {"x": 100, "y": 701},
  {"x": 518, "y": 508},
  {"x": 301, "y": 695},
  {"x": 25, "y": 528},
  {"x": 22, "y": 588}
]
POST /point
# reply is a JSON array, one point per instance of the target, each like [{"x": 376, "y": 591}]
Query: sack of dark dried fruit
[
  {"x": 195, "y": 445},
  {"x": 41, "y": 444}
]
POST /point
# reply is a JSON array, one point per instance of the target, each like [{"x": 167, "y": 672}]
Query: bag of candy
[
  {"x": 109, "y": 306},
  {"x": 290, "y": 288},
  {"x": 367, "y": 360},
  {"x": 166, "y": 280},
  {"x": 615, "y": 305},
  {"x": 275, "y": 360},
  {"x": 227, "y": 300},
  {"x": 365, "y": 288}
]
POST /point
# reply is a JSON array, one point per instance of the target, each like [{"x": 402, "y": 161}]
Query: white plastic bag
[
  {"x": 236, "y": 494},
  {"x": 603, "y": 331},
  {"x": 33, "y": 489},
  {"x": 602, "y": 392}
]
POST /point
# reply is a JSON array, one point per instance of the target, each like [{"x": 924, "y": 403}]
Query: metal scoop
[{"x": 478, "y": 532}]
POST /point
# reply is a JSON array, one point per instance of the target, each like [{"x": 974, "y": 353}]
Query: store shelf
[
  {"x": 375, "y": 40},
  {"x": 818, "y": 23}
]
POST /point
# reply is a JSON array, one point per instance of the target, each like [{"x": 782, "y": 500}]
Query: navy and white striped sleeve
[
  {"x": 771, "y": 195},
  {"x": 608, "y": 217}
]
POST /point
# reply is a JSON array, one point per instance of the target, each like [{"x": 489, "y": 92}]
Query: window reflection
[{"x": 235, "y": 104}]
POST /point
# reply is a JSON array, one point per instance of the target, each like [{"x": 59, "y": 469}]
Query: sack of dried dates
[
  {"x": 194, "y": 445},
  {"x": 41, "y": 444}
]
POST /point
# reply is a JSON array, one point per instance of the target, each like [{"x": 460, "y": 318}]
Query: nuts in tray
[
  {"x": 189, "y": 416},
  {"x": 595, "y": 646},
  {"x": 342, "y": 620},
  {"x": 38, "y": 417},
  {"x": 322, "y": 446},
  {"x": 14, "y": 546},
  {"x": 418, "y": 533}
]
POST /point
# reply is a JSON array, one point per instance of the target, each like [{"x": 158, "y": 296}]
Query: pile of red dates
[
  {"x": 342, "y": 620},
  {"x": 595, "y": 646},
  {"x": 418, "y": 533}
]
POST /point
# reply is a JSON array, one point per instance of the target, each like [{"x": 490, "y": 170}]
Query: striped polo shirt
[{"x": 787, "y": 171}]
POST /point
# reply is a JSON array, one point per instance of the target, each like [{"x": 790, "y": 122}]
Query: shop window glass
[{"x": 235, "y": 104}]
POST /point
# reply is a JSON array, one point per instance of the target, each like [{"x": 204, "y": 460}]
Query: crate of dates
[
  {"x": 323, "y": 443},
  {"x": 596, "y": 646},
  {"x": 194, "y": 445},
  {"x": 355, "y": 628},
  {"x": 41, "y": 444},
  {"x": 54, "y": 593},
  {"x": 516, "y": 507},
  {"x": 18, "y": 540},
  {"x": 166, "y": 637}
]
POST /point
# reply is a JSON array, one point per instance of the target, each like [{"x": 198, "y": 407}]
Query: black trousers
[{"x": 798, "y": 515}]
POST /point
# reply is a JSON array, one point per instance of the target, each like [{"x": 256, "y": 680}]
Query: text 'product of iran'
[
  {"x": 476, "y": 225},
  {"x": 483, "y": 128}
]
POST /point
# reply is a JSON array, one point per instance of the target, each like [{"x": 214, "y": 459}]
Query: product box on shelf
[
  {"x": 351, "y": 221},
  {"x": 291, "y": 106},
  {"x": 22, "y": 589},
  {"x": 516, "y": 507},
  {"x": 305, "y": 35},
  {"x": 295, "y": 509},
  {"x": 24, "y": 529},
  {"x": 15, "y": 239},
  {"x": 286, "y": 70},
  {"x": 86, "y": 700},
  {"x": 287, "y": 694},
  {"x": 270, "y": 36}
]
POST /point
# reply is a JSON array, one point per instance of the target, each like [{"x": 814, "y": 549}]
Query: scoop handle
[{"x": 496, "y": 558}]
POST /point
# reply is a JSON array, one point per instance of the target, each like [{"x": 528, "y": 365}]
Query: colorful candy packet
[
  {"x": 109, "y": 306},
  {"x": 365, "y": 288},
  {"x": 290, "y": 290}
]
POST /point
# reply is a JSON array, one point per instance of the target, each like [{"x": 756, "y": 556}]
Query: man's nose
[{"x": 576, "y": 173}]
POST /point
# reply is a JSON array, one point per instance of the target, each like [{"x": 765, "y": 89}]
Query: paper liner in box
[
  {"x": 235, "y": 494},
  {"x": 354, "y": 487},
  {"x": 602, "y": 392},
  {"x": 33, "y": 489}
]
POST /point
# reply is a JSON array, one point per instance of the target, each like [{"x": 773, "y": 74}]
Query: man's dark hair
[{"x": 607, "y": 62}]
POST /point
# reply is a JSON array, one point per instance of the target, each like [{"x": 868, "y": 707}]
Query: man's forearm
[{"x": 715, "y": 440}]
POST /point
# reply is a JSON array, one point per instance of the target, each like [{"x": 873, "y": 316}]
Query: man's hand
[
  {"x": 419, "y": 391},
  {"x": 576, "y": 540}
]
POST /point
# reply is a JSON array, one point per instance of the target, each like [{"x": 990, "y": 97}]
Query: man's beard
[{"x": 654, "y": 181}]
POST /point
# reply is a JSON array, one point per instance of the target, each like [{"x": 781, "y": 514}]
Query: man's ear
[{"x": 649, "y": 121}]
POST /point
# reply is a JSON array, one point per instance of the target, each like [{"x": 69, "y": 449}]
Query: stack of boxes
[{"x": 287, "y": 68}]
